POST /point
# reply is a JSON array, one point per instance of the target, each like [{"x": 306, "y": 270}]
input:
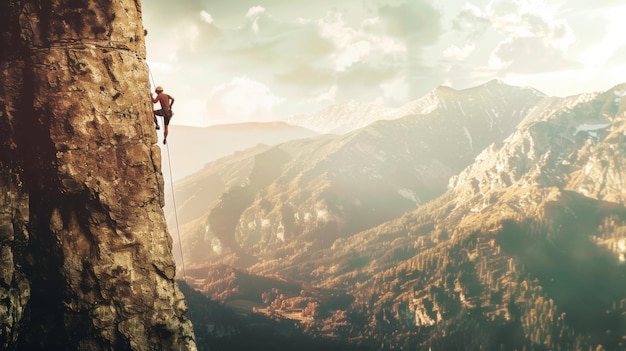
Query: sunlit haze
[{"x": 265, "y": 60}]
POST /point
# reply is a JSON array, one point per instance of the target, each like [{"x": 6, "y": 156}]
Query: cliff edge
[{"x": 85, "y": 256}]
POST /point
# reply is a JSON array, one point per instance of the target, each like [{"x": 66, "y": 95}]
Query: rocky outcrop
[{"x": 85, "y": 256}]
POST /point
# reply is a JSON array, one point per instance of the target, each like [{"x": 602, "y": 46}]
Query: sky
[{"x": 265, "y": 60}]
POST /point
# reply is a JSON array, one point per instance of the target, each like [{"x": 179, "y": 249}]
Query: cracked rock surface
[{"x": 85, "y": 256}]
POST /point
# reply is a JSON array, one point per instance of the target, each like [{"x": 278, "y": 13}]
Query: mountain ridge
[
  {"x": 496, "y": 259},
  {"x": 191, "y": 148},
  {"x": 406, "y": 164},
  {"x": 345, "y": 117}
]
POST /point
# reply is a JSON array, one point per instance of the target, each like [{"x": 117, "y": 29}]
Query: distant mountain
[
  {"x": 495, "y": 221},
  {"x": 525, "y": 250},
  {"x": 343, "y": 117},
  {"x": 309, "y": 193},
  {"x": 348, "y": 116},
  {"x": 191, "y": 148}
]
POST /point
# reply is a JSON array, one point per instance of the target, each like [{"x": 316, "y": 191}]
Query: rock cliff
[{"x": 85, "y": 256}]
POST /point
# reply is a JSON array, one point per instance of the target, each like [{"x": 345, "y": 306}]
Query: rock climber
[{"x": 166, "y": 101}]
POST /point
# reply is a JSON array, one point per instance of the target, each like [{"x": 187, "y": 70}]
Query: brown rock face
[{"x": 85, "y": 256}]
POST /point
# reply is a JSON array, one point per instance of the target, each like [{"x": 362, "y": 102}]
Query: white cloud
[
  {"x": 255, "y": 11},
  {"x": 185, "y": 37},
  {"x": 474, "y": 10},
  {"x": 354, "y": 45},
  {"x": 328, "y": 97},
  {"x": 334, "y": 28},
  {"x": 353, "y": 52},
  {"x": 496, "y": 59},
  {"x": 512, "y": 9},
  {"x": 242, "y": 99},
  {"x": 614, "y": 39},
  {"x": 395, "y": 90},
  {"x": 206, "y": 17},
  {"x": 535, "y": 37},
  {"x": 370, "y": 22},
  {"x": 453, "y": 52},
  {"x": 471, "y": 21},
  {"x": 531, "y": 18}
]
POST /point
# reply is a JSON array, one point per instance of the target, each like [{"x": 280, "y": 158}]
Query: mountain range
[
  {"x": 487, "y": 218},
  {"x": 189, "y": 149}
]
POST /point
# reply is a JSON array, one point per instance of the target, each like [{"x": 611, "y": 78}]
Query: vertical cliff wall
[{"x": 85, "y": 257}]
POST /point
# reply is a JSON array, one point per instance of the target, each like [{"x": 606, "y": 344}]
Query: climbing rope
[
  {"x": 180, "y": 243},
  {"x": 151, "y": 77},
  {"x": 169, "y": 162}
]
